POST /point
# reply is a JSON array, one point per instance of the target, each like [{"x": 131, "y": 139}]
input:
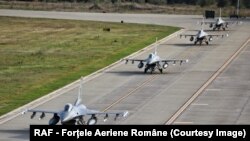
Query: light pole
[{"x": 238, "y": 6}]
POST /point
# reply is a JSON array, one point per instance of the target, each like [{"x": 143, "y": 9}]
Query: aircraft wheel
[
  {"x": 81, "y": 122},
  {"x": 145, "y": 70},
  {"x": 160, "y": 70},
  {"x": 151, "y": 71}
]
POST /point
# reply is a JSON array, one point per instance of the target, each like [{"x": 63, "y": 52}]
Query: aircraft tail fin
[
  {"x": 156, "y": 45},
  {"x": 203, "y": 21},
  {"x": 220, "y": 12},
  {"x": 78, "y": 100}
]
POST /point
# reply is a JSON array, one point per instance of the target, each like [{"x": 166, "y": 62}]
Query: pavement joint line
[
  {"x": 35, "y": 103},
  {"x": 206, "y": 84}
]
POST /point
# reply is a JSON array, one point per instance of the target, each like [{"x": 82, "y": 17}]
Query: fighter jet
[
  {"x": 73, "y": 114},
  {"x": 202, "y": 36},
  {"x": 154, "y": 62},
  {"x": 219, "y": 23}
]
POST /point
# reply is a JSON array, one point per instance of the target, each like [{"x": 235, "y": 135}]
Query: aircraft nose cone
[
  {"x": 150, "y": 62},
  {"x": 66, "y": 117}
]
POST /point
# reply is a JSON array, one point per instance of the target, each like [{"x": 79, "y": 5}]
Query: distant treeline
[{"x": 202, "y": 3}]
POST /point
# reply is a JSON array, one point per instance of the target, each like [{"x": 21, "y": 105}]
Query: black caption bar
[{"x": 173, "y": 132}]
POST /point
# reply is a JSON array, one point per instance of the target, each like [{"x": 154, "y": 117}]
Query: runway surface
[
  {"x": 159, "y": 19},
  {"x": 213, "y": 88}
]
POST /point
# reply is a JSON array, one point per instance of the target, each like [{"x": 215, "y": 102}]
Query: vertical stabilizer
[
  {"x": 78, "y": 100},
  {"x": 203, "y": 21},
  {"x": 156, "y": 45},
  {"x": 220, "y": 13}
]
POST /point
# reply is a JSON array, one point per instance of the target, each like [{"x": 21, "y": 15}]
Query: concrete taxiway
[
  {"x": 158, "y": 98},
  {"x": 227, "y": 99}
]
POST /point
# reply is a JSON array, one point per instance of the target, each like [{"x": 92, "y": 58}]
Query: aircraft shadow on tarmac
[
  {"x": 139, "y": 72},
  {"x": 19, "y": 134},
  {"x": 191, "y": 45}
]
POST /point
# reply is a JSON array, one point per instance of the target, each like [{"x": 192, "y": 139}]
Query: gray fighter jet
[
  {"x": 73, "y": 114},
  {"x": 202, "y": 36},
  {"x": 154, "y": 62},
  {"x": 220, "y": 23}
]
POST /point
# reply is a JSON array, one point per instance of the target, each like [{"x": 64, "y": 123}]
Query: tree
[
  {"x": 203, "y": 3},
  {"x": 170, "y": 1},
  {"x": 191, "y": 2},
  {"x": 222, "y": 3},
  {"x": 157, "y": 1},
  {"x": 246, "y": 3},
  {"x": 233, "y": 2}
]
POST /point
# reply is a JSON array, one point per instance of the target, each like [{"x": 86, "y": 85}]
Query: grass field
[{"x": 38, "y": 56}]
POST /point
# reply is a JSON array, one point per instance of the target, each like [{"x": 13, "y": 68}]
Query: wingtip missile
[
  {"x": 24, "y": 112},
  {"x": 185, "y": 61},
  {"x": 125, "y": 114}
]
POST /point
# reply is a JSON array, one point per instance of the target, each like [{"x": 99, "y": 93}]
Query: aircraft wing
[
  {"x": 43, "y": 111},
  {"x": 226, "y": 22},
  {"x": 218, "y": 35},
  {"x": 208, "y": 22},
  {"x": 107, "y": 114},
  {"x": 174, "y": 61},
  {"x": 233, "y": 22},
  {"x": 230, "y": 22},
  {"x": 135, "y": 60},
  {"x": 187, "y": 35},
  {"x": 94, "y": 112}
]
